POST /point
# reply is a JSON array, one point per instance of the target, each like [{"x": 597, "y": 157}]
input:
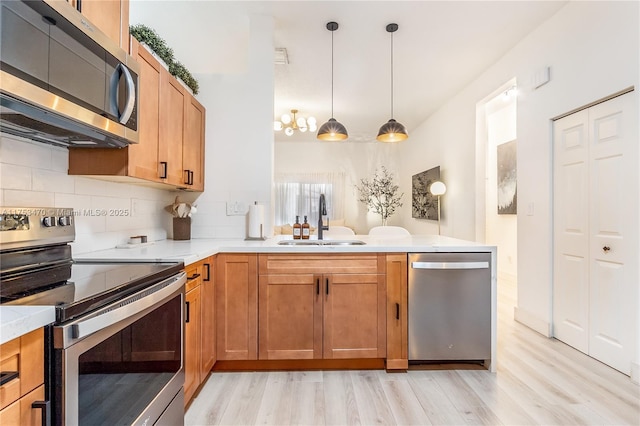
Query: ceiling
[{"x": 439, "y": 48}]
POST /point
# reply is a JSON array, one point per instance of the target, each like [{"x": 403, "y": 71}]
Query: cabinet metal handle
[
  {"x": 317, "y": 286},
  {"x": 186, "y": 179},
  {"x": 190, "y": 177},
  {"x": 193, "y": 277},
  {"x": 7, "y": 376},
  {"x": 327, "y": 283},
  {"x": 45, "y": 406},
  {"x": 79, "y": 5},
  {"x": 208, "y": 269},
  {"x": 187, "y": 312},
  {"x": 606, "y": 249},
  {"x": 397, "y": 311},
  {"x": 163, "y": 174}
]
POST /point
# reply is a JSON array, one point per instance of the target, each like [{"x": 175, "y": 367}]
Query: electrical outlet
[{"x": 236, "y": 208}]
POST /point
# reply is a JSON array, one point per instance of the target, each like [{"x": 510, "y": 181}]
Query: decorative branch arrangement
[
  {"x": 380, "y": 194},
  {"x": 148, "y": 36}
]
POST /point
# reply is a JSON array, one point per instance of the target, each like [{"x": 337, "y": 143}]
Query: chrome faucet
[{"x": 322, "y": 211}]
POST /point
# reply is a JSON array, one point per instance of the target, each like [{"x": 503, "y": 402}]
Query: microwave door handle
[{"x": 131, "y": 94}]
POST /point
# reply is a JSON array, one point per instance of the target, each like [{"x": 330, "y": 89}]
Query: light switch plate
[{"x": 236, "y": 208}]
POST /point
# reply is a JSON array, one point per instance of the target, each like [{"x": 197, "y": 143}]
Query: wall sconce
[{"x": 438, "y": 188}]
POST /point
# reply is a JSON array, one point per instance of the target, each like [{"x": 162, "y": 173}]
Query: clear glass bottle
[
  {"x": 297, "y": 229},
  {"x": 306, "y": 229}
]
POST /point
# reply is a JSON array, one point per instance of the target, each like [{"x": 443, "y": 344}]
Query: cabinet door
[
  {"x": 208, "y": 330},
  {"x": 193, "y": 146},
  {"x": 237, "y": 307},
  {"x": 143, "y": 156},
  {"x": 110, "y": 16},
  {"x": 397, "y": 344},
  {"x": 30, "y": 416},
  {"x": 354, "y": 316},
  {"x": 290, "y": 316},
  {"x": 171, "y": 127},
  {"x": 192, "y": 343}
]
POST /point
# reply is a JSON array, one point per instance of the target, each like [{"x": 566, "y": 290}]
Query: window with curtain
[{"x": 297, "y": 194}]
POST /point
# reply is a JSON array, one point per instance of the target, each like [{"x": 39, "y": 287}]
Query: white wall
[
  {"x": 501, "y": 229},
  {"x": 239, "y": 138},
  {"x": 593, "y": 51},
  {"x": 357, "y": 160},
  {"x": 35, "y": 175}
]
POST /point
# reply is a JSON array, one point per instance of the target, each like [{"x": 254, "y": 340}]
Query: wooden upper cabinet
[
  {"x": 111, "y": 16},
  {"x": 172, "y": 131},
  {"x": 143, "y": 156},
  {"x": 172, "y": 113},
  {"x": 193, "y": 144}
]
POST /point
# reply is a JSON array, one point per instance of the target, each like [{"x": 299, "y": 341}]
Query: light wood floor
[{"x": 539, "y": 381}]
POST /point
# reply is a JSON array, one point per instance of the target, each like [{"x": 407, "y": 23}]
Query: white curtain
[{"x": 297, "y": 194}]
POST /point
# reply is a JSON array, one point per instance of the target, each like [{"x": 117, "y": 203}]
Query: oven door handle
[{"x": 121, "y": 310}]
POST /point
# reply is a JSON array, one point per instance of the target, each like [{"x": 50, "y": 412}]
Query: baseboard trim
[
  {"x": 531, "y": 321},
  {"x": 300, "y": 364}
]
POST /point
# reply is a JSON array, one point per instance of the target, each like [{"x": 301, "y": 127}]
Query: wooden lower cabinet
[
  {"x": 397, "y": 318},
  {"x": 199, "y": 325},
  {"x": 207, "y": 309},
  {"x": 24, "y": 355},
  {"x": 192, "y": 330},
  {"x": 290, "y": 308},
  {"x": 236, "y": 301},
  {"x": 322, "y": 306}
]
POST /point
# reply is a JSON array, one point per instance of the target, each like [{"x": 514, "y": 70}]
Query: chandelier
[{"x": 290, "y": 123}]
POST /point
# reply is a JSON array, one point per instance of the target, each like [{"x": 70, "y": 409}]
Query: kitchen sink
[{"x": 321, "y": 243}]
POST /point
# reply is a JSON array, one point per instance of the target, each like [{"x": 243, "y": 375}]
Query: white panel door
[
  {"x": 613, "y": 212},
  {"x": 595, "y": 293},
  {"x": 571, "y": 231}
]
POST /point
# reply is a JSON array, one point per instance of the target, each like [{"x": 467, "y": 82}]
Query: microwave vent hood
[
  {"x": 62, "y": 80},
  {"x": 50, "y": 128}
]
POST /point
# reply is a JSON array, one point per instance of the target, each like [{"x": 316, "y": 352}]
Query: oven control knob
[
  {"x": 49, "y": 221},
  {"x": 64, "y": 220}
]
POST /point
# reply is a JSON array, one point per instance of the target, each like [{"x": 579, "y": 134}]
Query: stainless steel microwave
[{"x": 62, "y": 80}]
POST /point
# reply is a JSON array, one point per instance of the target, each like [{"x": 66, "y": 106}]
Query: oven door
[{"x": 124, "y": 363}]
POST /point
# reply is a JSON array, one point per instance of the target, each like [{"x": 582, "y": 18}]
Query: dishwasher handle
[{"x": 449, "y": 265}]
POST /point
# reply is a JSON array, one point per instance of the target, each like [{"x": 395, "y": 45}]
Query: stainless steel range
[{"x": 115, "y": 353}]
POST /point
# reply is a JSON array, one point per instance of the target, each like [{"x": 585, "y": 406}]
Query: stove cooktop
[{"x": 93, "y": 285}]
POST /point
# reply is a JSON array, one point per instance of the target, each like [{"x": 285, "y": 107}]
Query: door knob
[{"x": 606, "y": 249}]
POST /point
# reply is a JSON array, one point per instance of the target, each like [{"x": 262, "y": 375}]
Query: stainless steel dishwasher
[{"x": 449, "y": 307}]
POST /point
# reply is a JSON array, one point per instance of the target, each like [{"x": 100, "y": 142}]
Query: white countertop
[
  {"x": 18, "y": 320},
  {"x": 193, "y": 250}
]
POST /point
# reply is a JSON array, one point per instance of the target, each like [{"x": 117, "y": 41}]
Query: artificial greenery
[
  {"x": 380, "y": 194},
  {"x": 148, "y": 36},
  {"x": 180, "y": 71}
]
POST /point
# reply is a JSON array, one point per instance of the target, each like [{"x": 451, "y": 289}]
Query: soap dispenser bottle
[
  {"x": 297, "y": 229},
  {"x": 306, "y": 230}
]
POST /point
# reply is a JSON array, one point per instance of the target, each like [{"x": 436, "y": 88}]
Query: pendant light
[
  {"x": 332, "y": 130},
  {"x": 392, "y": 131}
]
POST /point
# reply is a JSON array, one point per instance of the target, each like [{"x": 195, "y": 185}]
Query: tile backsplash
[{"x": 106, "y": 213}]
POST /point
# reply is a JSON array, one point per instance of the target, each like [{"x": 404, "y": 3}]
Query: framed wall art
[
  {"x": 507, "y": 178},
  {"x": 424, "y": 205}
]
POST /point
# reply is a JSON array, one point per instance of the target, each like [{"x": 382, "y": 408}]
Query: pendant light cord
[
  {"x": 392, "y": 75},
  {"x": 332, "y": 73}
]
